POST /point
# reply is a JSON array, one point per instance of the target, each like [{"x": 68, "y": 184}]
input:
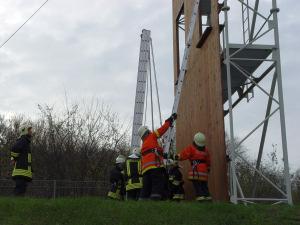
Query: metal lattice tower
[
  {"x": 144, "y": 86},
  {"x": 241, "y": 60}
]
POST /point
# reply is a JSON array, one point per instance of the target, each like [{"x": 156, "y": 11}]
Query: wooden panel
[
  {"x": 177, "y": 5},
  {"x": 201, "y": 107}
]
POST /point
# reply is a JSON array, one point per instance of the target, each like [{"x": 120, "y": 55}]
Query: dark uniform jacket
[
  {"x": 117, "y": 182},
  {"x": 21, "y": 153}
]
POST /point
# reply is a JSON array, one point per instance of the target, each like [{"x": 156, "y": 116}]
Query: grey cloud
[{"x": 90, "y": 49}]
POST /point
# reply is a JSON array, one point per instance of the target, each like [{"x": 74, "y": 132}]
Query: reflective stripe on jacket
[
  {"x": 200, "y": 162},
  {"x": 153, "y": 159},
  {"x": 21, "y": 153},
  {"x": 133, "y": 174}
]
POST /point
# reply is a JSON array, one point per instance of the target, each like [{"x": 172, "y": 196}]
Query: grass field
[{"x": 93, "y": 211}]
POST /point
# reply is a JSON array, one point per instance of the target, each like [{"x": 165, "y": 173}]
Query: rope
[
  {"x": 23, "y": 24},
  {"x": 151, "y": 94},
  {"x": 155, "y": 79}
]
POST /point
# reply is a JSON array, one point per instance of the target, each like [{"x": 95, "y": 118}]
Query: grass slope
[{"x": 93, "y": 211}]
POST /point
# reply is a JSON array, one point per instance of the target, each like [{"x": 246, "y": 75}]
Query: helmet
[
  {"x": 136, "y": 151},
  {"x": 199, "y": 139},
  {"x": 24, "y": 129},
  {"x": 120, "y": 159},
  {"x": 142, "y": 131}
]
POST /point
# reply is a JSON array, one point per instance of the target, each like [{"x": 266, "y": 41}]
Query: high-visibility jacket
[
  {"x": 200, "y": 162},
  {"x": 133, "y": 174},
  {"x": 152, "y": 152},
  {"x": 117, "y": 184},
  {"x": 21, "y": 154}
]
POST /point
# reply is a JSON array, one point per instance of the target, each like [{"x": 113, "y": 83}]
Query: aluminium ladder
[
  {"x": 144, "y": 62},
  {"x": 171, "y": 133}
]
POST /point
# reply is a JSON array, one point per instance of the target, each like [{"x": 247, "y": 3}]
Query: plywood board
[{"x": 201, "y": 105}]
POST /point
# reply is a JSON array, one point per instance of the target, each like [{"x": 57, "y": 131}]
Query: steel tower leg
[
  {"x": 233, "y": 197},
  {"x": 276, "y": 55}
]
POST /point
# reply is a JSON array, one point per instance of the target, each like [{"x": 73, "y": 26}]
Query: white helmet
[
  {"x": 199, "y": 139},
  {"x": 142, "y": 130},
  {"x": 136, "y": 151},
  {"x": 120, "y": 159},
  {"x": 25, "y": 129}
]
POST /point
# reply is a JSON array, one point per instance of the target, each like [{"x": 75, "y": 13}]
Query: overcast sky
[{"x": 89, "y": 49}]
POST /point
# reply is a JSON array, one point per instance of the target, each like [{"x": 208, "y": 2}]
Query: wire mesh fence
[{"x": 58, "y": 188}]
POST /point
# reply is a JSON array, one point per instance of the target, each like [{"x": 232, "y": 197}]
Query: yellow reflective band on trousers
[
  {"x": 114, "y": 195},
  {"x": 14, "y": 154},
  {"x": 137, "y": 181},
  {"x": 178, "y": 197},
  {"x": 176, "y": 182}
]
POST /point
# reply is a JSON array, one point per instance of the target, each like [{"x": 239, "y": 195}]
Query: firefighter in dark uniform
[
  {"x": 117, "y": 180},
  {"x": 175, "y": 181},
  {"x": 21, "y": 160},
  {"x": 133, "y": 174}
]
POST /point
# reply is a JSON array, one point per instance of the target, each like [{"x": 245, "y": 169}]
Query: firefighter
[
  {"x": 175, "y": 181},
  {"x": 117, "y": 182},
  {"x": 21, "y": 161},
  {"x": 133, "y": 174},
  {"x": 198, "y": 155},
  {"x": 152, "y": 161}
]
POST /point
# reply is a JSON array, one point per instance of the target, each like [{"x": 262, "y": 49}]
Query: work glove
[{"x": 172, "y": 118}]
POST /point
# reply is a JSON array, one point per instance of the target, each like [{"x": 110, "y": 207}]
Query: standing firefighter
[
  {"x": 21, "y": 159},
  {"x": 175, "y": 181},
  {"x": 152, "y": 161},
  {"x": 133, "y": 174},
  {"x": 198, "y": 155},
  {"x": 117, "y": 182}
]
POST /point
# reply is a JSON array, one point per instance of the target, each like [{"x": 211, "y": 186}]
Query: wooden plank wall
[{"x": 201, "y": 107}]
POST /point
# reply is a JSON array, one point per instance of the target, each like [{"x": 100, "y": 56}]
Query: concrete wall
[{"x": 201, "y": 107}]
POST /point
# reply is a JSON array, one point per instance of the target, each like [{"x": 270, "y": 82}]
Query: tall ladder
[
  {"x": 246, "y": 37},
  {"x": 246, "y": 21},
  {"x": 171, "y": 134},
  {"x": 144, "y": 62}
]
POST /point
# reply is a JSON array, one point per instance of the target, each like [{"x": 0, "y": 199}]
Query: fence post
[{"x": 54, "y": 189}]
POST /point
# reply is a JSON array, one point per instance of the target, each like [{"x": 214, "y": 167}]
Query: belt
[
  {"x": 152, "y": 150},
  {"x": 198, "y": 161}
]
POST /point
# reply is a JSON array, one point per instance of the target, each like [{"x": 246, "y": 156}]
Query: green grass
[{"x": 93, "y": 211}]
